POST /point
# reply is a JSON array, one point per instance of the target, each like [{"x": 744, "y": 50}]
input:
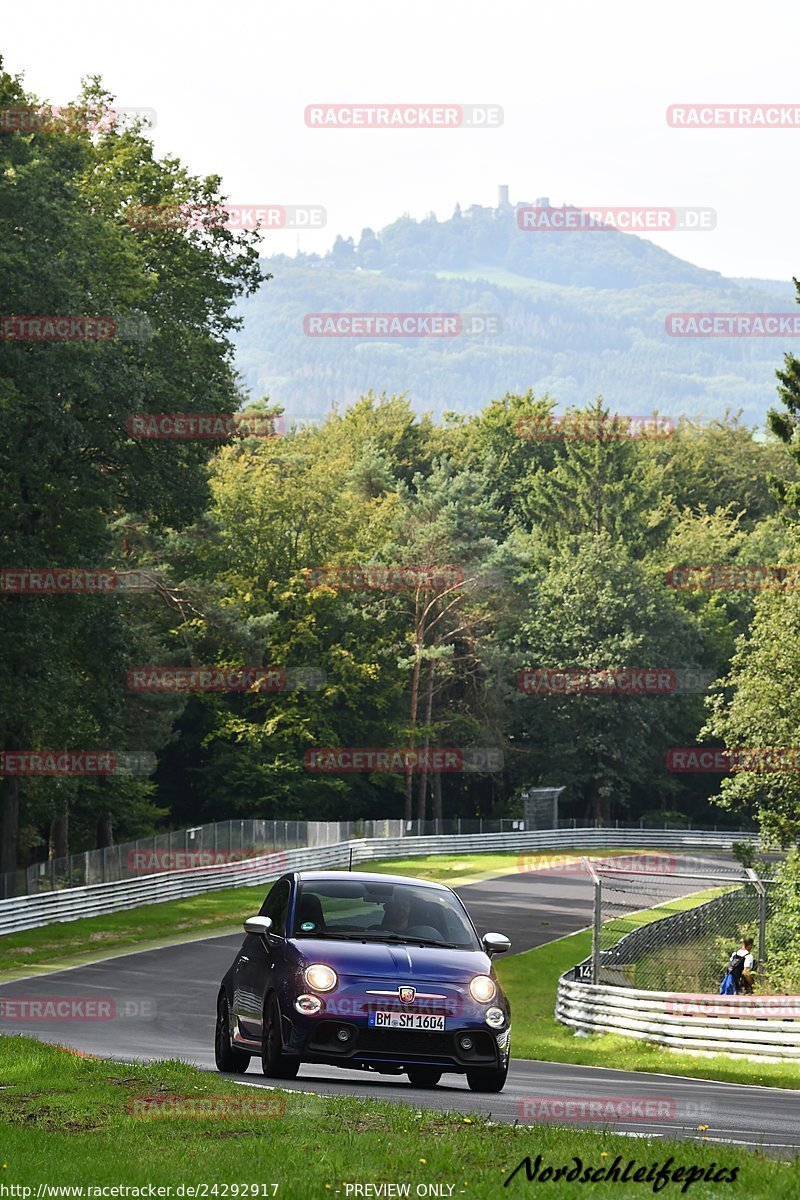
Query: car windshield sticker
[{"x": 307, "y": 925}]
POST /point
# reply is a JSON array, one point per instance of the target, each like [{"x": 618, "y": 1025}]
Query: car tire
[
  {"x": 487, "y": 1079},
  {"x": 423, "y": 1077},
  {"x": 226, "y": 1057},
  {"x": 274, "y": 1063}
]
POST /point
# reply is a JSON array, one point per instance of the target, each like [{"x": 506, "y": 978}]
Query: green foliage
[
  {"x": 756, "y": 706},
  {"x": 783, "y": 928},
  {"x": 74, "y": 481}
]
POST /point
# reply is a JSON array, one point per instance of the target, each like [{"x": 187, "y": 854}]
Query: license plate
[{"x": 407, "y": 1020}]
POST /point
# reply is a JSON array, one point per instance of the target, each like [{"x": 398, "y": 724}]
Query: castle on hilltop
[{"x": 503, "y": 206}]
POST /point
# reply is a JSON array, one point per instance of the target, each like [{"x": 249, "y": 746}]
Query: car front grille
[
  {"x": 397, "y": 1042},
  {"x": 399, "y": 1045}
]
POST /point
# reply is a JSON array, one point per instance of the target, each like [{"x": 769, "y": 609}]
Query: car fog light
[
  {"x": 482, "y": 989},
  {"x": 320, "y": 977},
  {"x": 308, "y": 1005},
  {"x": 495, "y": 1017},
  {"x": 343, "y": 1035},
  {"x": 465, "y": 1042}
]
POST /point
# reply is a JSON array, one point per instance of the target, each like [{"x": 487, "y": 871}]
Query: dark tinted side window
[{"x": 276, "y": 906}]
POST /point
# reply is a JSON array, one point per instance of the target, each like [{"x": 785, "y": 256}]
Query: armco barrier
[
  {"x": 714, "y": 1024},
  {"x": 30, "y": 912}
]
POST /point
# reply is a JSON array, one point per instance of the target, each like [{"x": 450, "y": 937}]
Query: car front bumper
[{"x": 351, "y": 1041}]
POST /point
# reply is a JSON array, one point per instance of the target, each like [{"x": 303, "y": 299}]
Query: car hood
[{"x": 380, "y": 960}]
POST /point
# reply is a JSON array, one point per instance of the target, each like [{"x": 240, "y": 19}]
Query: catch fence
[
  {"x": 234, "y": 840},
  {"x": 675, "y": 930}
]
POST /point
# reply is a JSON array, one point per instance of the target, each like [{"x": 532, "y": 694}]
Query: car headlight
[
  {"x": 495, "y": 1018},
  {"x": 482, "y": 989},
  {"x": 320, "y": 978}
]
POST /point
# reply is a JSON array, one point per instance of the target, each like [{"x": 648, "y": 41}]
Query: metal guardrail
[
  {"x": 766, "y": 1027},
  {"x": 31, "y": 912},
  {"x": 226, "y": 841}
]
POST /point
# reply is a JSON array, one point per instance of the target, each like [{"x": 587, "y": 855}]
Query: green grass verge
[
  {"x": 74, "y": 942},
  {"x": 530, "y": 981},
  {"x": 70, "y": 1121}
]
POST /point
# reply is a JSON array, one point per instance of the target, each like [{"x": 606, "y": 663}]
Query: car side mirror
[
  {"x": 258, "y": 925},
  {"x": 495, "y": 943}
]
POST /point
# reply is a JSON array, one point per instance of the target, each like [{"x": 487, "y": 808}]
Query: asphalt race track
[{"x": 165, "y": 1004}]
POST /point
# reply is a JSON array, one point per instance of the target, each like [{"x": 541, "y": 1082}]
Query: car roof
[{"x": 367, "y": 877}]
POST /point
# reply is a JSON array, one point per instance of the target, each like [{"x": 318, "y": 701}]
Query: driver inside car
[{"x": 396, "y": 915}]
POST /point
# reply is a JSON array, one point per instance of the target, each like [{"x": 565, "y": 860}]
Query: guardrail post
[
  {"x": 762, "y": 915},
  {"x": 596, "y": 922}
]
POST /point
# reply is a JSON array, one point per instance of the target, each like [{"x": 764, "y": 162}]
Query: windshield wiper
[
  {"x": 421, "y": 941},
  {"x": 324, "y": 933},
  {"x": 374, "y": 935}
]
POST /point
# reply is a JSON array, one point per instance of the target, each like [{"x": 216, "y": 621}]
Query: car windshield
[{"x": 363, "y": 910}]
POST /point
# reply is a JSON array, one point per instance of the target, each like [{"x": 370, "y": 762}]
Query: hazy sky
[{"x": 584, "y": 88}]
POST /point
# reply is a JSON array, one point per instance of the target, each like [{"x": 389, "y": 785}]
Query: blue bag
[{"x": 728, "y": 985}]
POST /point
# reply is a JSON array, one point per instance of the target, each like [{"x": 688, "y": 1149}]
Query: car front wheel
[
  {"x": 487, "y": 1079},
  {"x": 225, "y": 1056},
  {"x": 274, "y": 1063}
]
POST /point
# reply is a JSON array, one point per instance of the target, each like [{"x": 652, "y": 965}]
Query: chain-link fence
[
  {"x": 673, "y": 929},
  {"x": 244, "y": 838},
  {"x": 203, "y": 845}
]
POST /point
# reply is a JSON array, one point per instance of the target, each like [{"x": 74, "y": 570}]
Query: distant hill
[{"x": 582, "y": 313}]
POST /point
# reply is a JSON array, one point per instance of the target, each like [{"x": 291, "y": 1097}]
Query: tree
[
  {"x": 758, "y": 706},
  {"x": 70, "y": 468},
  {"x": 601, "y": 482},
  {"x": 602, "y": 611},
  {"x": 723, "y": 466}
]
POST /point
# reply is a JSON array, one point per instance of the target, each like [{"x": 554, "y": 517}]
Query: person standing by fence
[{"x": 739, "y": 975}]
